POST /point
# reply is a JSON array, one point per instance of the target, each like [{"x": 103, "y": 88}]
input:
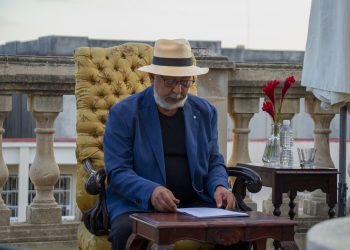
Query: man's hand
[
  {"x": 163, "y": 200},
  {"x": 224, "y": 198}
]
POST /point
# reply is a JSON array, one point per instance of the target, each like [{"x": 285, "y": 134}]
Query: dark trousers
[{"x": 121, "y": 229}]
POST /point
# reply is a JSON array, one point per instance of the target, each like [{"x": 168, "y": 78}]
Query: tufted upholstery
[{"x": 104, "y": 76}]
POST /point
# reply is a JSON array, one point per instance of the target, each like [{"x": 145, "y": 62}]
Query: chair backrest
[{"x": 104, "y": 76}]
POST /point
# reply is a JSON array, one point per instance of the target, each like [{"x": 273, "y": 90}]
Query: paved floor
[{"x": 53, "y": 245}]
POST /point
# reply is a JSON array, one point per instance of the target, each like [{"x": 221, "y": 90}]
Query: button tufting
[
  {"x": 107, "y": 68},
  {"x": 102, "y": 119}
]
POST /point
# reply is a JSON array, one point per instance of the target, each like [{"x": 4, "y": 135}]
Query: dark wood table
[
  {"x": 164, "y": 229},
  {"x": 292, "y": 180}
]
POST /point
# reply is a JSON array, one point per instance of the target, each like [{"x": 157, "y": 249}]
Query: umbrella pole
[{"x": 342, "y": 163}]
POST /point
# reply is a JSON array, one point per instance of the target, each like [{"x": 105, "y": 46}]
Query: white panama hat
[{"x": 173, "y": 58}]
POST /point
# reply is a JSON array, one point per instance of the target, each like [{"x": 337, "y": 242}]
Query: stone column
[
  {"x": 44, "y": 171},
  {"x": 241, "y": 111},
  {"x": 289, "y": 109},
  {"x": 214, "y": 87},
  {"x": 315, "y": 204},
  {"x": 5, "y": 107}
]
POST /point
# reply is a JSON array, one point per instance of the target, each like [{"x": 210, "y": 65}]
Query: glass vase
[{"x": 271, "y": 155}]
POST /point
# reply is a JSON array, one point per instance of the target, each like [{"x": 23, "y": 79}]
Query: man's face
[{"x": 171, "y": 92}]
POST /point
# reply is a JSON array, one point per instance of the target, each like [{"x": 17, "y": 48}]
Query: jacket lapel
[
  {"x": 149, "y": 119},
  {"x": 191, "y": 117}
]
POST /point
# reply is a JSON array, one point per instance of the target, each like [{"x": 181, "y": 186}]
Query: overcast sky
[{"x": 256, "y": 24}]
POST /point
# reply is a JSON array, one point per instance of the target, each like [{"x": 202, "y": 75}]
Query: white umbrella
[{"x": 326, "y": 69}]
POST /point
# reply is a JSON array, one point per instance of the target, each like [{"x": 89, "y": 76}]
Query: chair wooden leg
[{"x": 259, "y": 244}]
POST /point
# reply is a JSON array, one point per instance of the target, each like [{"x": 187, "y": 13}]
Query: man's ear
[{"x": 151, "y": 77}]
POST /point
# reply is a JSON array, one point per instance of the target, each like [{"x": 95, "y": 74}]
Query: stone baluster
[
  {"x": 315, "y": 204},
  {"x": 213, "y": 87},
  {"x": 5, "y": 107},
  {"x": 289, "y": 109},
  {"x": 44, "y": 171},
  {"x": 241, "y": 111}
]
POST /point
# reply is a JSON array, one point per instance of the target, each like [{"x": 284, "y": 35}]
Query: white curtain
[{"x": 326, "y": 70}]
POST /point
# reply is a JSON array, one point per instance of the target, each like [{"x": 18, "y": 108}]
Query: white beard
[{"x": 166, "y": 105}]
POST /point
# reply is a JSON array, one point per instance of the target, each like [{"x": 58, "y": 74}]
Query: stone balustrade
[
  {"x": 235, "y": 89},
  {"x": 244, "y": 92},
  {"x": 45, "y": 81}
]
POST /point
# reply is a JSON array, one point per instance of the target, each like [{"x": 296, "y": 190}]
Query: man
[{"x": 160, "y": 145}]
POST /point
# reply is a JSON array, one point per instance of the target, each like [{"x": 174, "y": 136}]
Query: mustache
[{"x": 177, "y": 96}]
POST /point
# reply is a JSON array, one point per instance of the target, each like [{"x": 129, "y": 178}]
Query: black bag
[{"x": 96, "y": 219}]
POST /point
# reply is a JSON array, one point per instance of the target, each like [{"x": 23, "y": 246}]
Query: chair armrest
[
  {"x": 96, "y": 219},
  {"x": 245, "y": 179},
  {"x": 96, "y": 179}
]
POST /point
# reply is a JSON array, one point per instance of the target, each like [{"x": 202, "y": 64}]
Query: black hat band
[{"x": 178, "y": 62}]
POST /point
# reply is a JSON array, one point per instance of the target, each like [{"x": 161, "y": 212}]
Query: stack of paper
[{"x": 206, "y": 212}]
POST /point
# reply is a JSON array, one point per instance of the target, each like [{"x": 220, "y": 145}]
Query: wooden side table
[
  {"x": 292, "y": 180},
  {"x": 164, "y": 229}
]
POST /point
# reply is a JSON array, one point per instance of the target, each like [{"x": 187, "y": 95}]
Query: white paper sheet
[{"x": 206, "y": 212}]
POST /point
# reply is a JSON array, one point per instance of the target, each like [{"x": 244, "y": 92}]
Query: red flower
[
  {"x": 272, "y": 108},
  {"x": 269, "y": 89},
  {"x": 269, "y": 108},
  {"x": 287, "y": 84}
]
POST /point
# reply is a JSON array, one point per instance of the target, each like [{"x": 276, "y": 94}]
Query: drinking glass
[{"x": 306, "y": 157}]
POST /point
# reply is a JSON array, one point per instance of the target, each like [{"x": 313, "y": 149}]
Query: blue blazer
[{"x": 134, "y": 157}]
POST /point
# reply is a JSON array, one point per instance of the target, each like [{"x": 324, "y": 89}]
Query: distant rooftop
[{"x": 65, "y": 45}]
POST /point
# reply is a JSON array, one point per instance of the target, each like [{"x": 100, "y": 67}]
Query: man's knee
[{"x": 121, "y": 228}]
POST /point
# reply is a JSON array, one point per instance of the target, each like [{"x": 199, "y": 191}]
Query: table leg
[
  {"x": 331, "y": 201},
  {"x": 331, "y": 211},
  {"x": 135, "y": 242},
  {"x": 277, "y": 210},
  {"x": 277, "y": 199},
  {"x": 285, "y": 245},
  {"x": 292, "y": 194},
  {"x": 259, "y": 244}
]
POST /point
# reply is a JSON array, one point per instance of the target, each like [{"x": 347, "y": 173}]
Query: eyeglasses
[{"x": 172, "y": 82}]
